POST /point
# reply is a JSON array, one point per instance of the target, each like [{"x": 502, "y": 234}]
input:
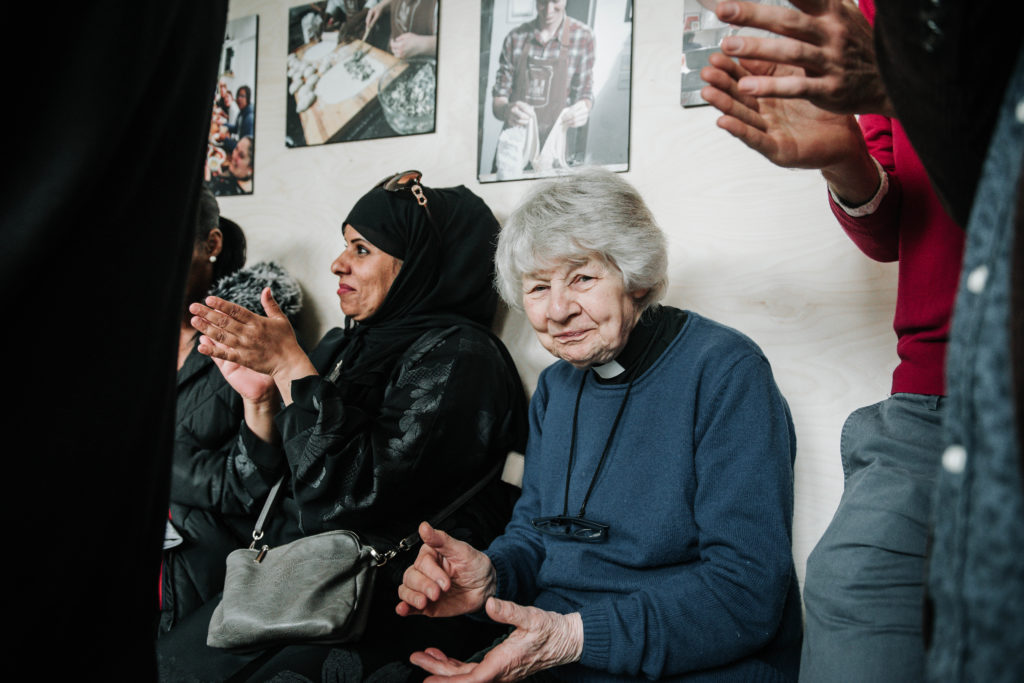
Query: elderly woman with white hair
[{"x": 653, "y": 535}]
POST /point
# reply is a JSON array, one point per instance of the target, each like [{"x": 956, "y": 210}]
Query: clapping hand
[
  {"x": 264, "y": 345},
  {"x": 830, "y": 42},
  {"x": 791, "y": 133}
]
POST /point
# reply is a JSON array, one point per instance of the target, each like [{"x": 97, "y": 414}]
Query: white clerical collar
[{"x": 610, "y": 369}]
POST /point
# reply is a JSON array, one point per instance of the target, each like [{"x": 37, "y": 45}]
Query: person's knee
[
  {"x": 838, "y": 574},
  {"x": 824, "y": 576}
]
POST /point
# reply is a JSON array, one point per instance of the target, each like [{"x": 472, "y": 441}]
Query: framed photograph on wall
[
  {"x": 554, "y": 87},
  {"x": 232, "y": 145},
  {"x": 703, "y": 32},
  {"x": 358, "y": 72}
]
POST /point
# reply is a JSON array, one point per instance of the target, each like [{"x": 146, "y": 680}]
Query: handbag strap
[
  {"x": 407, "y": 543},
  {"x": 257, "y": 532},
  {"x": 413, "y": 539}
]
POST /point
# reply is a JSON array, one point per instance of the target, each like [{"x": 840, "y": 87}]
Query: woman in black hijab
[{"x": 388, "y": 420}]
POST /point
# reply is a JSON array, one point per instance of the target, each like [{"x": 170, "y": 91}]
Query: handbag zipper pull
[{"x": 261, "y": 554}]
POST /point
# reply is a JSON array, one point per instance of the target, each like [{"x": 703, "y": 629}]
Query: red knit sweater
[{"x": 910, "y": 226}]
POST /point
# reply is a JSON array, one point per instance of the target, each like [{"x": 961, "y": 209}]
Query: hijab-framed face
[
  {"x": 446, "y": 255},
  {"x": 365, "y": 275}
]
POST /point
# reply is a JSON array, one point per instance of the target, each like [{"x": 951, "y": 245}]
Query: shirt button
[
  {"x": 976, "y": 279},
  {"x": 954, "y": 459}
]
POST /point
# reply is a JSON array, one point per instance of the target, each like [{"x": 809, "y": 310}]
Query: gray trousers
[{"x": 864, "y": 587}]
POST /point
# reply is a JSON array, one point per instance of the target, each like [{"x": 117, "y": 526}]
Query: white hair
[{"x": 591, "y": 213}]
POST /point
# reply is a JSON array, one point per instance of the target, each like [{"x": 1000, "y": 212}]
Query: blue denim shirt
[{"x": 976, "y": 576}]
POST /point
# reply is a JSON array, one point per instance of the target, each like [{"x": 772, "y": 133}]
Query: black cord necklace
[{"x": 577, "y": 526}]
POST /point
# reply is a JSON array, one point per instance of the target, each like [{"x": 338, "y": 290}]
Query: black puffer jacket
[{"x": 211, "y": 508}]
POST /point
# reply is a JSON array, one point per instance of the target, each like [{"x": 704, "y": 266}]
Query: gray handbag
[{"x": 315, "y": 589}]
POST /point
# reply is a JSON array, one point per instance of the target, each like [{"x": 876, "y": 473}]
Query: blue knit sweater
[{"x": 696, "y": 579}]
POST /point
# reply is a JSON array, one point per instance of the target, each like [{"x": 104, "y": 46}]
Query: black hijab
[{"x": 446, "y": 276}]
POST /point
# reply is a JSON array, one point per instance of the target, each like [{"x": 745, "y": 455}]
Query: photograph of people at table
[
  {"x": 231, "y": 145},
  {"x": 236, "y": 170},
  {"x": 361, "y": 69},
  {"x": 553, "y": 95}
]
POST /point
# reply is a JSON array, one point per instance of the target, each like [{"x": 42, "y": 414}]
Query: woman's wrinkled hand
[
  {"x": 541, "y": 640},
  {"x": 448, "y": 578}
]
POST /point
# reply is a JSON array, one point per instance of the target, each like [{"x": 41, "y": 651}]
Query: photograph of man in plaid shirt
[{"x": 546, "y": 70}]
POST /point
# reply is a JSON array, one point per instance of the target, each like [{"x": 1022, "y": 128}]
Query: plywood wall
[{"x": 751, "y": 245}]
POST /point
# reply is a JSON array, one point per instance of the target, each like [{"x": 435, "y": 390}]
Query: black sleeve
[
  {"x": 218, "y": 464},
  {"x": 449, "y": 411}
]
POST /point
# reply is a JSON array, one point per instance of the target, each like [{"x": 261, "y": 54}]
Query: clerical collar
[
  {"x": 656, "y": 329},
  {"x": 609, "y": 370}
]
